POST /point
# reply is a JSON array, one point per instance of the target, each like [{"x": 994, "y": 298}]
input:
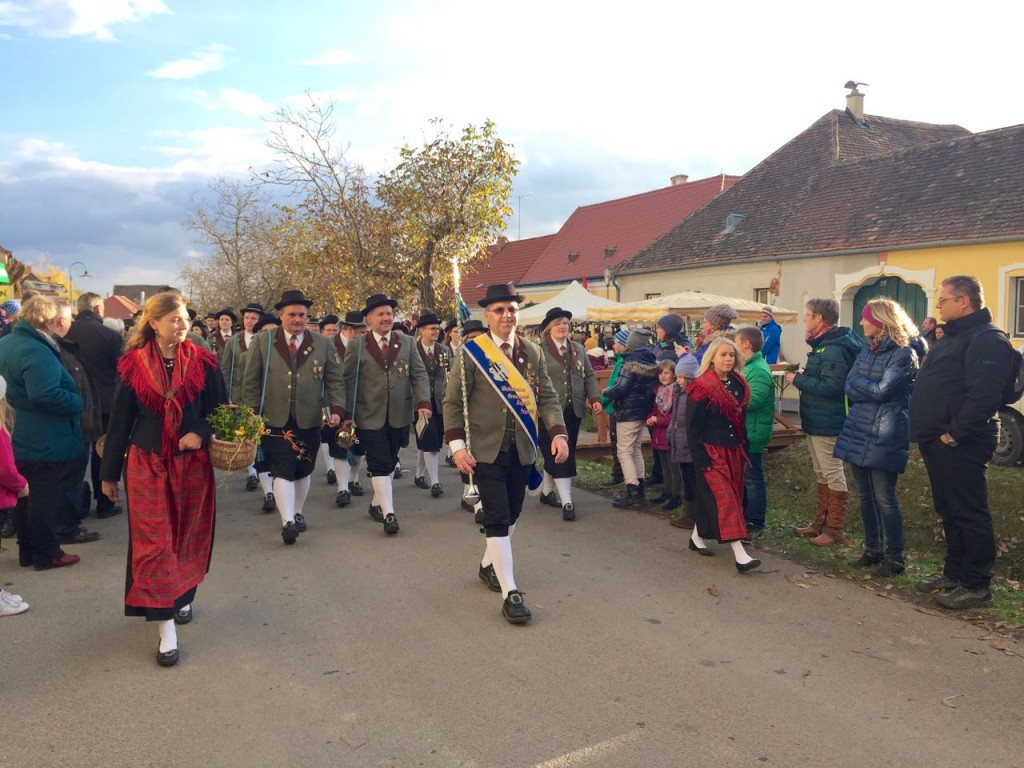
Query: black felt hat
[
  {"x": 427, "y": 318},
  {"x": 328, "y": 320},
  {"x": 501, "y": 292},
  {"x": 554, "y": 314},
  {"x": 378, "y": 300},
  {"x": 252, "y": 306},
  {"x": 354, "y": 320},
  {"x": 265, "y": 319},
  {"x": 472, "y": 326},
  {"x": 229, "y": 313},
  {"x": 292, "y": 297}
]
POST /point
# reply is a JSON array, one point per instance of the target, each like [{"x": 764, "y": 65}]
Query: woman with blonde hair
[
  {"x": 166, "y": 388},
  {"x": 875, "y": 439},
  {"x": 47, "y": 440},
  {"x": 716, "y": 404}
]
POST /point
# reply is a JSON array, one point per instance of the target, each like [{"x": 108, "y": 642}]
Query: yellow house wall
[{"x": 995, "y": 265}]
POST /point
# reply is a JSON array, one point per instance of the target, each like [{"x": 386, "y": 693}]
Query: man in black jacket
[
  {"x": 953, "y": 417},
  {"x": 99, "y": 348}
]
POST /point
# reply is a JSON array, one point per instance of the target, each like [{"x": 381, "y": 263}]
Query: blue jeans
[
  {"x": 880, "y": 510},
  {"x": 755, "y": 495}
]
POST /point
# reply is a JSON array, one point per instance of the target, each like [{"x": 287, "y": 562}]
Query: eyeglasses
[
  {"x": 499, "y": 311},
  {"x": 944, "y": 299}
]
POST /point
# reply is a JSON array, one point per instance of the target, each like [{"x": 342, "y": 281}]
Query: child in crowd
[
  {"x": 658, "y": 421},
  {"x": 686, "y": 371},
  {"x": 12, "y": 487}
]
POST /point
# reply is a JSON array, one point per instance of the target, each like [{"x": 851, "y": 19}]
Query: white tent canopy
[
  {"x": 575, "y": 298},
  {"x": 691, "y": 304}
]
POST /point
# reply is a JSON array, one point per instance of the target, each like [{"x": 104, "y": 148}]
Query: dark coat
[
  {"x": 877, "y": 430},
  {"x": 99, "y": 347},
  {"x": 714, "y": 416},
  {"x": 960, "y": 387},
  {"x": 46, "y": 403},
  {"x": 822, "y": 384},
  {"x": 632, "y": 394},
  {"x": 92, "y": 416},
  {"x": 677, "y": 441}
]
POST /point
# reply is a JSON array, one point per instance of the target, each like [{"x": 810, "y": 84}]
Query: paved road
[{"x": 356, "y": 649}]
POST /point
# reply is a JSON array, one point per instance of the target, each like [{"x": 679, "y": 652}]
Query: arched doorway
[{"x": 911, "y": 297}]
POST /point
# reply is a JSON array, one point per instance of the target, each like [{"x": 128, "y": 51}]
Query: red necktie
[
  {"x": 430, "y": 356},
  {"x": 384, "y": 347},
  {"x": 292, "y": 347},
  {"x": 507, "y": 349}
]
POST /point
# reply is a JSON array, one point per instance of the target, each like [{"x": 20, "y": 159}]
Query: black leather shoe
[
  {"x": 343, "y": 499},
  {"x": 377, "y": 513},
  {"x": 300, "y": 522},
  {"x": 184, "y": 616},
  {"x": 114, "y": 511},
  {"x": 252, "y": 483},
  {"x": 550, "y": 499},
  {"x": 705, "y": 551},
  {"x": 935, "y": 583},
  {"x": 478, "y": 516},
  {"x": 961, "y": 597},
  {"x": 269, "y": 505},
  {"x": 421, "y": 482},
  {"x": 490, "y": 578},
  {"x": 398, "y": 472},
  {"x": 166, "y": 658},
  {"x": 514, "y": 609},
  {"x": 391, "y": 525},
  {"x": 868, "y": 558},
  {"x": 436, "y": 490},
  {"x": 450, "y": 461},
  {"x": 289, "y": 533},
  {"x": 332, "y": 477},
  {"x": 80, "y": 537},
  {"x": 356, "y": 488},
  {"x": 466, "y": 505},
  {"x": 747, "y": 567},
  {"x": 568, "y": 512},
  {"x": 888, "y": 568}
]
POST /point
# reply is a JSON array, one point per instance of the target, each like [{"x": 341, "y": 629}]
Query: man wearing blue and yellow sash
[{"x": 507, "y": 392}]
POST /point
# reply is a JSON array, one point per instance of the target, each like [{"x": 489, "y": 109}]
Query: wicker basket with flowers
[{"x": 236, "y": 435}]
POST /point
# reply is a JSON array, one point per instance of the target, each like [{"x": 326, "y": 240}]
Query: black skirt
[
  {"x": 433, "y": 436},
  {"x": 290, "y": 457},
  {"x": 572, "y": 427}
]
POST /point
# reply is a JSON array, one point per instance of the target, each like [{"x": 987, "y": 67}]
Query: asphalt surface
[{"x": 352, "y": 648}]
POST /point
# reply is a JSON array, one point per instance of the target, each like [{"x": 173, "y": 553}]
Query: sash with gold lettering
[{"x": 511, "y": 387}]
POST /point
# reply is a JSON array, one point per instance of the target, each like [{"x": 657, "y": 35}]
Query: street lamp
[
  {"x": 71, "y": 278},
  {"x": 519, "y": 215}
]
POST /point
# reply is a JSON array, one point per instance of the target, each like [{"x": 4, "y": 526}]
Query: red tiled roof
[
  {"x": 119, "y": 307},
  {"x": 842, "y": 185},
  {"x": 625, "y": 225},
  {"x": 508, "y": 263}
]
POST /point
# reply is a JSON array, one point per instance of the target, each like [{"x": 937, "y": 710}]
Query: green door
[{"x": 911, "y": 297}]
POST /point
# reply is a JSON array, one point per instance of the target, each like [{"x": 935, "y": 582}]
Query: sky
[{"x": 116, "y": 113}]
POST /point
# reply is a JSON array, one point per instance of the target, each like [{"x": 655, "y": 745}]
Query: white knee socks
[
  {"x": 266, "y": 483},
  {"x": 696, "y": 539},
  {"x": 382, "y": 494},
  {"x": 741, "y": 555},
  {"x": 499, "y": 550},
  {"x": 284, "y": 495},
  {"x": 301, "y": 489},
  {"x": 421, "y": 464},
  {"x": 432, "y": 462},
  {"x": 344, "y": 472},
  {"x": 547, "y": 485},
  {"x": 325, "y": 452},
  {"x": 564, "y": 486},
  {"x": 168, "y": 636},
  {"x": 251, "y": 470}
]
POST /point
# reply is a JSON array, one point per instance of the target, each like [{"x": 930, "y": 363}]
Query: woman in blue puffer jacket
[{"x": 875, "y": 439}]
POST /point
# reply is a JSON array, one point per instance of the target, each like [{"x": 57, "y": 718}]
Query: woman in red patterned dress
[
  {"x": 716, "y": 404},
  {"x": 167, "y": 387}
]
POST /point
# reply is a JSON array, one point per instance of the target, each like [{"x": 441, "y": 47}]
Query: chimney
[
  {"x": 502, "y": 242},
  {"x": 679, "y": 178},
  {"x": 855, "y": 101}
]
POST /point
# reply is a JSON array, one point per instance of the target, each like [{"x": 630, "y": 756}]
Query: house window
[
  {"x": 651, "y": 295},
  {"x": 573, "y": 256},
  {"x": 1018, "y": 307},
  {"x": 761, "y": 295}
]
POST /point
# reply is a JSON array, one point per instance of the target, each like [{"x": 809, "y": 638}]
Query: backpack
[{"x": 1013, "y": 390}]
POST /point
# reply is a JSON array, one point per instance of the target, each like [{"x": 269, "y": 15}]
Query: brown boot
[
  {"x": 685, "y": 518},
  {"x": 813, "y": 529},
  {"x": 832, "y": 532}
]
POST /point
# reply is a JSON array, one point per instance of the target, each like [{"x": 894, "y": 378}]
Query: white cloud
[
  {"x": 208, "y": 59},
  {"x": 332, "y": 57},
  {"x": 244, "y": 102},
  {"x": 77, "y": 18}
]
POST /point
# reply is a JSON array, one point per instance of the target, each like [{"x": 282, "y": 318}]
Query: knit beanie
[
  {"x": 687, "y": 366},
  {"x": 720, "y": 315},
  {"x": 622, "y": 336},
  {"x": 11, "y": 307},
  {"x": 672, "y": 324},
  {"x": 639, "y": 339}
]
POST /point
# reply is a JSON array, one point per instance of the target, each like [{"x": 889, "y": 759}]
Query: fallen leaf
[
  {"x": 999, "y": 643},
  {"x": 948, "y": 701},
  {"x": 976, "y": 653},
  {"x": 801, "y": 584},
  {"x": 713, "y": 590}
]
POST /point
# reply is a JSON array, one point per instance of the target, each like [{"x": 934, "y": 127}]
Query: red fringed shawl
[
  {"x": 710, "y": 388},
  {"x": 144, "y": 371}
]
